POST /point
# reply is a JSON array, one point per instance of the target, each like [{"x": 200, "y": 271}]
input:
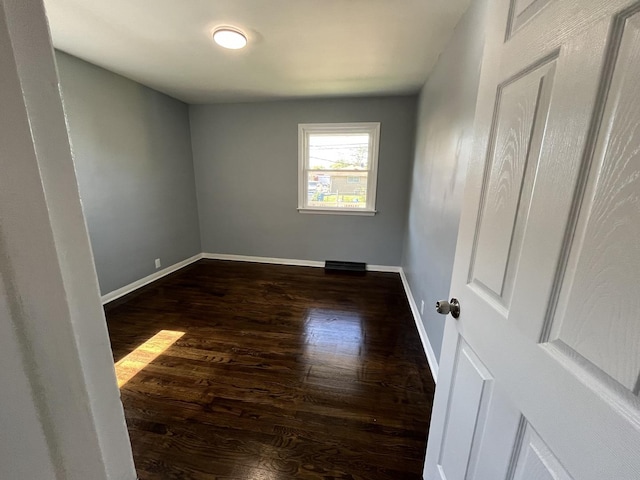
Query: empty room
[{"x": 258, "y": 240}]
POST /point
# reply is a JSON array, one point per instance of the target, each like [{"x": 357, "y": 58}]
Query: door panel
[
  {"x": 471, "y": 386},
  {"x": 599, "y": 302},
  {"x": 547, "y": 265},
  {"x": 522, "y": 106},
  {"x": 534, "y": 460},
  {"x": 521, "y": 12},
  {"x": 579, "y": 86}
]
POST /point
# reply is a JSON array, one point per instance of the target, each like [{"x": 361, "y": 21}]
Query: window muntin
[{"x": 338, "y": 167}]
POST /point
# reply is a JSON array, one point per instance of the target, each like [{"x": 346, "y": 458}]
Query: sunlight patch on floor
[{"x": 127, "y": 367}]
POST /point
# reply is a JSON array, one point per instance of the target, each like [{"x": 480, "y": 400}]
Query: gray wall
[
  {"x": 132, "y": 151},
  {"x": 246, "y": 164},
  {"x": 444, "y": 131}
]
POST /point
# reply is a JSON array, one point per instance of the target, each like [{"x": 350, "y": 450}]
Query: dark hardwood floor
[{"x": 282, "y": 372}]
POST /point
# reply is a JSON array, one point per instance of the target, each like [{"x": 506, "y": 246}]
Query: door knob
[{"x": 451, "y": 307}]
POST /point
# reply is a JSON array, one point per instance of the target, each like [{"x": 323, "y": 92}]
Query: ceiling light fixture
[{"x": 229, "y": 38}]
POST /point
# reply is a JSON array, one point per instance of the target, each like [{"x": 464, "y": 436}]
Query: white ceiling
[{"x": 297, "y": 48}]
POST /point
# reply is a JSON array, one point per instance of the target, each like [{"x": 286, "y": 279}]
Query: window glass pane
[
  {"x": 337, "y": 189},
  {"x": 339, "y": 152}
]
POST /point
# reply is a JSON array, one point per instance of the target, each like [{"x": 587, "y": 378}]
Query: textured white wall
[{"x": 59, "y": 401}]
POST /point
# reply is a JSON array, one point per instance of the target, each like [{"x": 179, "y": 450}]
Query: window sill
[{"x": 338, "y": 211}]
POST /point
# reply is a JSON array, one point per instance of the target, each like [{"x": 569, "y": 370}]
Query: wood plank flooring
[{"x": 282, "y": 373}]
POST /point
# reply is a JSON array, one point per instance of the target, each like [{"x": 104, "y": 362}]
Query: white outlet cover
[
  {"x": 158, "y": 265},
  {"x": 421, "y": 307}
]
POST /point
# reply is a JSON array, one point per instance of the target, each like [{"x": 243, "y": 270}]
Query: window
[{"x": 338, "y": 167}]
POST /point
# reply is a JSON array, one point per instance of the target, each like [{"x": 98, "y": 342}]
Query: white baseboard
[
  {"x": 426, "y": 344},
  {"x": 290, "y": 261},
  {"x": 275, "y": 261},
  {"x": 111, "y": 296},
  {"x": 384, "y": 268}
]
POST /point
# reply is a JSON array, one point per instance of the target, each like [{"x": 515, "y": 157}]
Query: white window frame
[{"x": 306, "y": 129}]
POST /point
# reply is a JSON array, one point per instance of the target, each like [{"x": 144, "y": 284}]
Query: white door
[{"x": 539, "y": 377}]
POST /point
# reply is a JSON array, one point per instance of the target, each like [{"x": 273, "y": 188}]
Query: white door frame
[{"x": 49, "y": 297}]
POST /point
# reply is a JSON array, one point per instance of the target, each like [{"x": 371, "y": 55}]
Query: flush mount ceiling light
[{"x": 229, "y": 38}]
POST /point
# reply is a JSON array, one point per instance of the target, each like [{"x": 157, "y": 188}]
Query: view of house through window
[{"x": 338, "y": 167}]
